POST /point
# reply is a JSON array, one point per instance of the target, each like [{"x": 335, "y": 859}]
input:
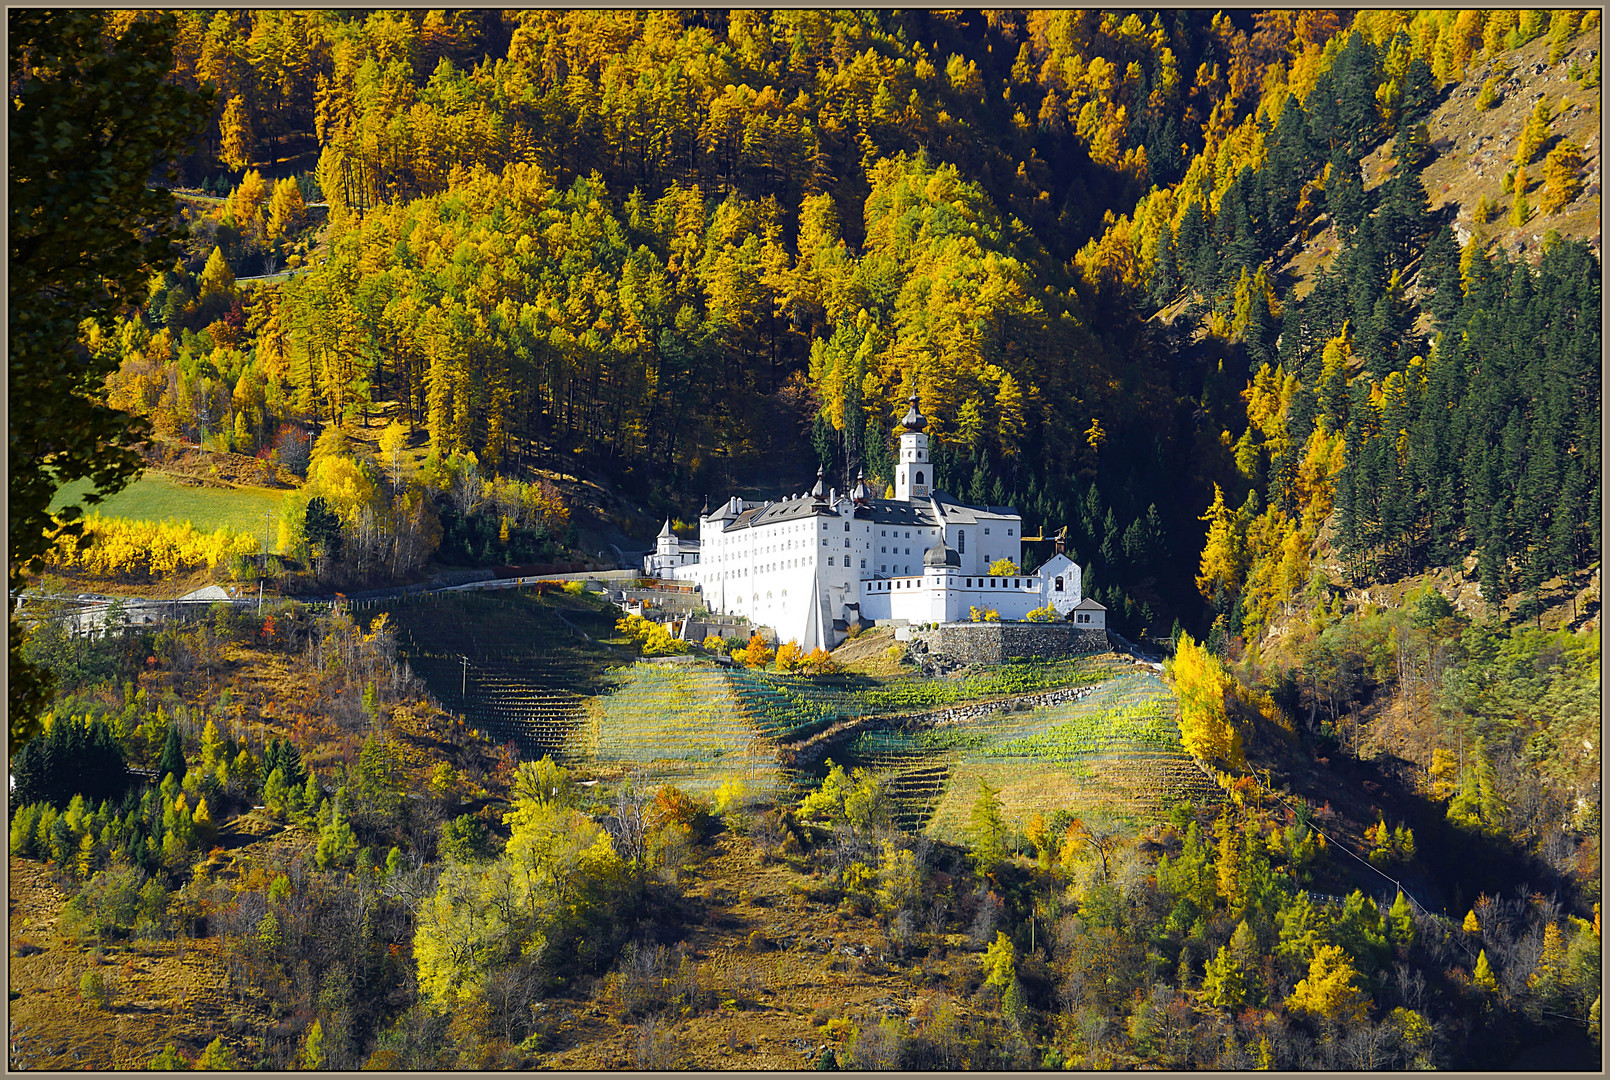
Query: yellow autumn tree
[
  {"x": 758, "y": 653},
  {"x": 1519, "y": 210},
  {"x": 1562, "y": 176},
  {"x": 217, "y": 279},
  {"x": 245, "y": 204},
  {"x": 789, "y": 656},
  {"x": 285, "y": 209},
  {"x": 1535, "y": 134},
  {"x": 1322, "y": 459},
  {"x": 1201, "y": 682},
  {"x": 235, "y": 134},
  {"x": 1279, "y": 568},
  {"x": 1331, "y": 989},
  {"x": 558, "y": 870},
  {"x": 1224, "y": 558},
  {"x": 651, "y": 637},
  {"x": 1483, "y": 977}
]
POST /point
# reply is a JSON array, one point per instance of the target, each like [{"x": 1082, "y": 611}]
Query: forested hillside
[{"x": 681, "y": 247}]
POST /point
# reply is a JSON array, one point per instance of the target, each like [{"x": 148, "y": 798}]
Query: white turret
[{"x": 913, "y": 476}]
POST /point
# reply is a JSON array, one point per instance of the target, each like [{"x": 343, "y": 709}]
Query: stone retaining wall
[
  {"x": 1040, "y": 699},
  {"x": 997, "y": 642}
]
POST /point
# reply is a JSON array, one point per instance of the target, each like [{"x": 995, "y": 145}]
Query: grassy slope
[
  {"x": 1462, "y": 173},
  {"x": 158, "y": 497},
  {"x": 166, "y": 991},
  {"x": 757, "y": 919}
]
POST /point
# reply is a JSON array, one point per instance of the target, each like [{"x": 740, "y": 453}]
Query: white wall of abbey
[{"x": 802, "y": 563}]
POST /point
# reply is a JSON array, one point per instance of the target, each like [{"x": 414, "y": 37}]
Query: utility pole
[
  {"x": 259, "y": 596},
  {"x": 464, "y": 678}
]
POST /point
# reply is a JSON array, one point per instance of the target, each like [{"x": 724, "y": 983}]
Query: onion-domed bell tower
[{"x": 913, "y": 476}]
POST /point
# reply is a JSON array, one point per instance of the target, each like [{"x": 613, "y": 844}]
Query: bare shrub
[
  {"x": 878, "y": 1046},
  {"x": 767, "y": 831},
  {"x": 657, "y": 1047},
  {"x": 640, "y": 977},
  {"x": 982, "y": 930}
]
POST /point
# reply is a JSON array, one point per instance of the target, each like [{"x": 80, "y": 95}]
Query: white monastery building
[{"x": 810, "y": 565}]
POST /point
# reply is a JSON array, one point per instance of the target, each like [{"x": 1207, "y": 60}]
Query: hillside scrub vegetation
[
  {"x": 1316, "y": 412},
  {"x": 1253, "y": 922}
]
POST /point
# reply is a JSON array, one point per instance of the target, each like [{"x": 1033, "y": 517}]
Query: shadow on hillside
[{"x": 1452, "y": 865}]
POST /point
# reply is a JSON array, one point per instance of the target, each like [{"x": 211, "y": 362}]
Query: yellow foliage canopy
[
  {"x": 1331, "y": 989},
  {"x": 1224, "y": 556},
  {"x": 790, "y": 656},
  {"x": 557, "y": 864},
  {"x": 651, "y": 637},
  {"x": 112, "y": 547},
  {"x": 1201, "y": 682}
]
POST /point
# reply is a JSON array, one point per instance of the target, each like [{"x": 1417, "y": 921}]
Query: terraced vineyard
[
  {"x": 859, "y": 696},
  {"x": 678, "y": 724},
  {"x": 530, "y": 669},
  {"x": 1117, "y": 748},
  {"x": 780, "y": 705},
  {"x": 530, "y": 664}
]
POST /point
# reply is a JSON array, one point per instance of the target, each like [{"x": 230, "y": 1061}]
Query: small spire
[
  {"x": 666, "y": 529},
  {"x": 819, "y": 492},
  {"x": 913, "y": 420}
]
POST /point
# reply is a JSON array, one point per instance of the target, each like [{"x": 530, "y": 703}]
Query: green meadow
[{"x": 157, "y": 497}]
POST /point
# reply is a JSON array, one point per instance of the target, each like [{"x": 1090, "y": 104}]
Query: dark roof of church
[
  {"x": 787, "y": 510},
  {"x": 914, "y": 420},
  {"x": 875, "y": 511},
  {"x": 941, "y": 554}
]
